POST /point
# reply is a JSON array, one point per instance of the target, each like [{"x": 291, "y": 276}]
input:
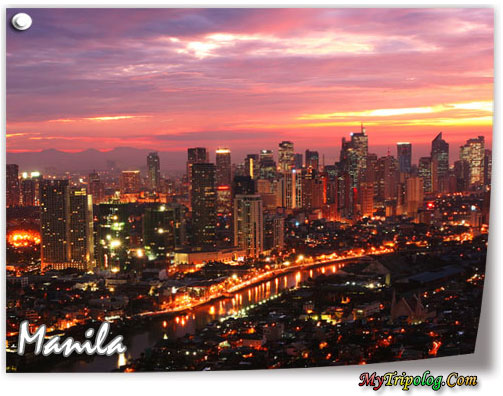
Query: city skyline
[{"x": 187, "y": 75}]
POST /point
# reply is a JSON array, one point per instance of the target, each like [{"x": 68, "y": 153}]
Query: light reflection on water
[{"x": 188, "y": 323}]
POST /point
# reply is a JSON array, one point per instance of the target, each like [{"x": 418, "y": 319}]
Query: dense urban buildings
[{"x": 144, "y": 244}]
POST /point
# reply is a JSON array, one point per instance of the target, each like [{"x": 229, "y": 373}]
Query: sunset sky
[{"x": 168, "y": 79}]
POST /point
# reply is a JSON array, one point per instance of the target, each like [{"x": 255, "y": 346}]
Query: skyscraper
[
  {"x": 285, "y": 156},
  {"x": 414, "y": 193},
  {"x": 96, "y": 187},
  {"x": 353, "y": 156},
  {"x": 439, "y": 163},
  {"x": 223, "y": 167},
  {"x": 53, "y": 222},
  {"x": 80, "y": 228},
  {"x": 252, "y": 166},
  {"x": 473, "y": 153},
  {"x": 424, "y": 171},
  {"x": 297, "y": 161},
  {"x": 312, "y": 160},
  {"x": 267, "y": 165},
  {"x": 404, "y": 154},
  {"x": 204, "y": 204},
  {"x": 12, "y": 185},
  {"x": 163, "y": 230},
  {"x": 154, "y": 171},
  {"x": 130, "y": 182},
  {"x": 30, "y": 188},
  {"x": 249, "y": 224}
]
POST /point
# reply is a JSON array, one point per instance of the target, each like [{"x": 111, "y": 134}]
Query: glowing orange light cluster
[{"x": 23, "y": 238}]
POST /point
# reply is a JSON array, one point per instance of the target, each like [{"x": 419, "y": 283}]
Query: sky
[{"x": 168, "y": 79}]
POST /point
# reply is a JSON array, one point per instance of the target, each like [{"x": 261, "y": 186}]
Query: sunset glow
[{"x": 170, "y": 79}]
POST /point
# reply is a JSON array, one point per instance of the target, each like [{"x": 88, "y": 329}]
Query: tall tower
[
  {"x": 439, "y": 163},
  {"x": 130, "y": 182},
  {"x": 312, "y": 160},
  {"x": 154, "y": 171},
  {"x": 249, "y": 224},
  {"x": 12, "y": 185},
  {"x": 473, "y": 153},
  {"x": 223, "y": 162},
  {"x": 96, "y": 188},
  {"x": 285, "y": 156},
  {"x": 53, "y": 222},
  {"x": 204, "y": 204},
  {"x": 80, "y": 228},
  {"x": 404, "y": 154}
]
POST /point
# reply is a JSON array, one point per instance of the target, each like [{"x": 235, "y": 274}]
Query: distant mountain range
[{"x": 125, "y": 158}]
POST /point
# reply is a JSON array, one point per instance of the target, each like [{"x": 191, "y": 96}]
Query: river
[{"x": 178, "y": 325}]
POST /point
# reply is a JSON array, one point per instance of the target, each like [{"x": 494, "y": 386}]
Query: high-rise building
[
  {"x": 267, "y": 165},
  {"x": 285, "y": 156},
  {"x": 130, "y": 182},
  {"x": 163, "y": 230},
  {"x": 404, "y": 155},
  {"x": 30, "y": 188},
  {"x": 387, "y": 178},
  {"x": 249, "y": 224},
  {"x": 488, "y": 164},
  {"x": 312, "y": 160},
  {"x": 223, "y": 167},
  {"x": 274, "y": 231},
  {"x": 66, "y": 224},
  {"x": 297, "y": 161},
  {"x": 53, "y": 222},
  {"x": 204, "y": 204},
  {"x": 80, "y": 228},
  {"x": 243, "y": 185},
  {"x": 96, "y": 187},
  {"x": 353, "y": 156},
  {"x": 113, "y": 236},
  {"x": 366, "y": 197},
  {"x": 424, "y": 171},
  {"x": 439, "y": 164},
  {"x": 12, "y": 185},
  {"x": 153, "y": 171},
  {"x": 473, "y": 153},
  {"x": 414, "y": 193},
  {"x": 252, "y": 166}
]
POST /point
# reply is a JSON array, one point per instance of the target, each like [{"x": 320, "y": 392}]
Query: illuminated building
[
  {"x": 96, "y": 187},
  {"x": 204, "y": 202},
  {"x": 285, "y": 156},
  {"x": 224, "y": 200},
  {"x": 274, "y": 230},
  {"x": 66, "y": 223},
  {"x": 113, "y": 236},
  {"x": 195, "y": 155},
  {"x": 163, "y": 230},
  {"x": 424, "y": 171},
  {"x": 30, "y": 188},
  {"x": 473, "y": 153},
  {"x": 387, "y": 177},
  {"x": 81, "y": 232},
  {"x": 366, "y": 198},
  {"x": 404, "y": 154},
  {"x": 267, "y": 165},
  {"x": 488, "y": 164},
  {"x": 252, "y": 166},
  {"x": 312, "y": 160},
  {"x": 223, "y": 167},
  {"x": 53, "y": 222},
  {"x": 311, "y": 189},
  {"x": 291, "y": 194},
  {"x": 353, "y": 157},
  {"x": 130, "y": 182},
  {"x": 249, "y": 224},
  {"x": 439, "y": 164},
  {"x": 12, "y": 185},
  {"x": 153, "y": 171},
  {"x": 414, "y": 194}
]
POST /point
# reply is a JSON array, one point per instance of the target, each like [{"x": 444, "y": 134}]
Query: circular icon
[{"x": 21, "y": 21}]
